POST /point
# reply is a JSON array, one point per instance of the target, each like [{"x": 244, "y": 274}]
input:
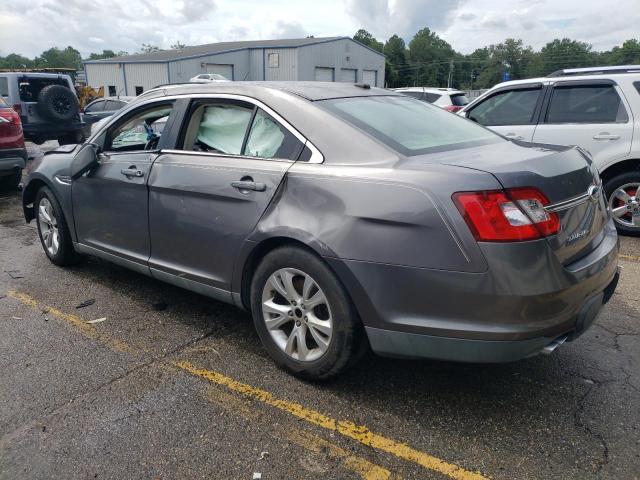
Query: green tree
[
  {"x": 56, "y": 58},
  {"x": 367, "y": 39},
  {"x": 178, "y": 45},
  {"x": 15, "y": 61},
  {"x": 397, "y": 67},
  {"x": 148, "y": 48},
  {"x": 565, "y": 53},
  {"x": 104, "y": 54},
  {"x": 432, "y": 58},
  {"x": 628, "y": 54}
]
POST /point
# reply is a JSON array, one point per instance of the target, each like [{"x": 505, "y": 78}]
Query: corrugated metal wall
[
  {"x": 183, "y": 70},
  {"x": 339, "y": 54},
  {"x": 145, "y": 75},
  {"x": 255, "y": 64},
  {"x": 287, "y": 64},
  {"x": 105, "y": 74}
]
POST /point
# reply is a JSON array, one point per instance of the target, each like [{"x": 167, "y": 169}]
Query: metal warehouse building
[{"x": 334, "y": 59}]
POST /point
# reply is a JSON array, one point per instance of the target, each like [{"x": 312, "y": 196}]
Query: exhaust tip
[{"x": 549, "y": 349}]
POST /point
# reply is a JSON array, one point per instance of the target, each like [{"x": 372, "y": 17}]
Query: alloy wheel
[
  {"x": 297, "y": 314},
  {"x": 48, "y": 224},
  {"x": 624, "y": 203}
]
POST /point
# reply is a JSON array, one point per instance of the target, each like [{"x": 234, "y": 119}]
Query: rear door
[
  {"x": 207, "y": 195},
  {"x": 591, "y": 114},
  {"x": 511, "y": 111}
]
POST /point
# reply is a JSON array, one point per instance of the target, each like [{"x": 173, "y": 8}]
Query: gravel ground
[{"x": 174, "y": 385}]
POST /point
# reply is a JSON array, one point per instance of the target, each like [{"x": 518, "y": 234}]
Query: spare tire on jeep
[{"x": 57, "y": 103}]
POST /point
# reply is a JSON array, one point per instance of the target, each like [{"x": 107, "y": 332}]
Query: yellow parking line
[
  {"x": 633, "y": 258},
  {"x": 87, "y": 329},
  {"x": 346, "y": 428}
]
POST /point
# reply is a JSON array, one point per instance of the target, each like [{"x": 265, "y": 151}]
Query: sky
[{"x": 30, "y": 26}]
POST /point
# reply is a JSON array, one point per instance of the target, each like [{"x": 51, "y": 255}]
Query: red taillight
[
  {"x": 453, "y": 108},
  {"x": 510, "y": 215},
  {"x": 18, "y": 108}
]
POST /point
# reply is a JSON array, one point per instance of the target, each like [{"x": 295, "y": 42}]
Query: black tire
[
  {"x": 347, "y": 337},
  {"x": 57, "y": 103},
  {"x": 611, "y": 185},
  {"x": 65, "y": 255}
]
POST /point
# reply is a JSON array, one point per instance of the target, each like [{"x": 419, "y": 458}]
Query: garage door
[
  {"x": 370, "y": 77},
  {"x": 348, "y": 75},
  {"x": 324, "y": 74},
  {"x": 221, "y": 69}
]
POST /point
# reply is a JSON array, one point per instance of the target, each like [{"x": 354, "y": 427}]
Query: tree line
[{"x": 427, "y": 60}]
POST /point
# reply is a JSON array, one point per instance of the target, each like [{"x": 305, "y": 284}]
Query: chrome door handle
[
  {"x": 249, "y": 185},
  {"x": 132, "y": 172},
  {"x": 513, "y": 136},
  {"x": 606, "y": 136}
]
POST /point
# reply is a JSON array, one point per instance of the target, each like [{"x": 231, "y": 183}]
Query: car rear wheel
[
  {"x": 52, "y": 229},
  {"x": 623, "y": 196},
  {"x": 303, "y": 316}
]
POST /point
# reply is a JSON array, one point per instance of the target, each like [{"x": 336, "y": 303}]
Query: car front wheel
[
  {"x": 303, "y": 316},
  {"x": 52, "y": 229}
]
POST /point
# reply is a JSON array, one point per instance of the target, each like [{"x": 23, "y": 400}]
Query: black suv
[{"x": 47, "y": 105}]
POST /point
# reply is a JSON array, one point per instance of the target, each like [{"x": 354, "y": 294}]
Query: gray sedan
[{"x": 343, "y": 217}]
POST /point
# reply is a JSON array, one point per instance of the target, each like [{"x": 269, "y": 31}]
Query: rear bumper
[
  {"x": 12, "y": 161},
  {"x": 523, "y": 302},
  {"x": 51, "y": 131}
]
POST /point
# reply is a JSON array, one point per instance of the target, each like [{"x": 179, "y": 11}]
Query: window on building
[
  {"x": 274, "y": 60},
  {"x": 139, "y": 91},
  {"x": 112, "y": 90},
  {"x": 586, "y": 104}
]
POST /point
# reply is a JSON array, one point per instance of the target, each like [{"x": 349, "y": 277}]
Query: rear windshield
[
  {"x": 30, "y": 86},
  {"x": 410, "y": 126},
  {"x": 459, "y": 100}
]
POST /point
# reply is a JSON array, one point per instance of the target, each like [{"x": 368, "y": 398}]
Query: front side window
[
  {"x": 586, "y": 104},
  {"x": 141, "y": 131},
  {"x": 409, "y": 126},
  {"x": 512, "y": 107}
]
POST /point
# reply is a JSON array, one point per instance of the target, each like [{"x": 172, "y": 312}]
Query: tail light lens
[
  {"x": 452, "y": 108},
  {"x": 9, "y": 116},
  {"x": 511, "y": 215},
  {"x": 17, "y": 107}
]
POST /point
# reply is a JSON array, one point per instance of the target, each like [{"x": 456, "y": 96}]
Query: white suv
[
  {"x": 450, "y": 99},
  {"x": 597, "y": 109}
]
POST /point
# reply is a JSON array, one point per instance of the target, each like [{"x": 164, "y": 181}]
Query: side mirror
[{"x": 85, "y": 160}]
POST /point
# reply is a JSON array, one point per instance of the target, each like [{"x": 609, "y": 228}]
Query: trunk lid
[{"x": 563, "y": 174}]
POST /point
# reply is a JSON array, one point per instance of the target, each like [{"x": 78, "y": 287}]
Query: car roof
[
  {"x": 312, "y": 91},
  {"x": 33, "y": 74},
  {"x": 121, "y": 98},
  {"x": 556, "y": 78},
  {"x": 438, "y": 90}
]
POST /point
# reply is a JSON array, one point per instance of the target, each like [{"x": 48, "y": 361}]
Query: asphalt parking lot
[{"x": 169, "y": 384}]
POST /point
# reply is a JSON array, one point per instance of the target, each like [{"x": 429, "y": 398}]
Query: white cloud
[{"x": 466, "y": 24}]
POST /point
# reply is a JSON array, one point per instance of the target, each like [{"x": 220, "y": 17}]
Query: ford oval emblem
[{"x": 594, "y": 193}]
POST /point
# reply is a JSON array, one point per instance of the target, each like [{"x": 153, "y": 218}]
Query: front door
[
  {"x": 207, "y": 196},
  {"x": 110, "y": 203},
  {"x": 510, "y": 112}
]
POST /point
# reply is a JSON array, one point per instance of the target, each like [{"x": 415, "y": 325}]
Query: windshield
[{"x": 410, "y": 126}]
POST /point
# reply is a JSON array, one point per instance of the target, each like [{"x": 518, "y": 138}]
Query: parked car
[
  {"x": 102, "y": 108},
  {"x": 449, "y": 99},
  {"x": 209, "y": 77},
  {"x": 340, "y": 215},
  {"x": 13, "y": 154},
  {"x": 595, "y": 108},
  {"x": 47, "y": 105}
]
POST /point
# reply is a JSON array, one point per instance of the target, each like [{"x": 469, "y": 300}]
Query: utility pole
[{"x": 450, "y": 73}]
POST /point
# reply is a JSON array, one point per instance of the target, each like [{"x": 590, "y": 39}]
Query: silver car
[{"x": 343, "y": 217}]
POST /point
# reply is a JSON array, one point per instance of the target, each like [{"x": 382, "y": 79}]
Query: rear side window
[
  {"x": 218, "y": 128},
  {"x": 459, "y": 100},
  {"x": 268, "y": 139},
  {"x": 4, "y": 87},
  {"x": 112, "y": 105},
  {"x": 586, "y": 104},
  {"x": 512, "y": 107},
  {"x": 95, "y": 107}
]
